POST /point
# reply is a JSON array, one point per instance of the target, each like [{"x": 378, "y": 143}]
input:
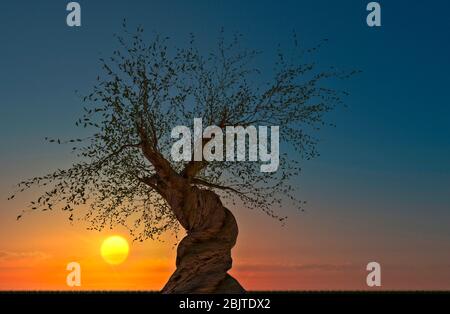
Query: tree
[{"x": 124, "y": 173}]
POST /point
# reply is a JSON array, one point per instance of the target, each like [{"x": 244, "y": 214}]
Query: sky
[{"x": 380, "y": 191}]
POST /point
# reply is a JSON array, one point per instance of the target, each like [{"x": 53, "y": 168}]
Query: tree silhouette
[{"x": 124, "y": 173}]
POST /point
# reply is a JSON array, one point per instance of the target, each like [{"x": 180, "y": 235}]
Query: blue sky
[{"x": 398, "y": 114}]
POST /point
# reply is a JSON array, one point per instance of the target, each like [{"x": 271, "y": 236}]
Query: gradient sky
[{"x": 380, "y": 191}]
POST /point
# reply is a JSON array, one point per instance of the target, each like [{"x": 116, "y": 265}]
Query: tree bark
[{"x": 204, "y": 254}]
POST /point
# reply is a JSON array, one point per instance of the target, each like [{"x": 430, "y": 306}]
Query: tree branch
[{"x": 215, "y": 186}]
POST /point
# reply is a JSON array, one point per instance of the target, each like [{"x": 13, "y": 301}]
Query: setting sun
[{"x": 114, "y": 250}]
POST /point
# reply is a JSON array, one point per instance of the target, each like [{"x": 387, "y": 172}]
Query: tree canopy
[{"x": 149, "y": 86}]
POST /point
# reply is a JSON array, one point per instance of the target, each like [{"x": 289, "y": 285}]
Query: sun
[{"x": 114, "y": 250}]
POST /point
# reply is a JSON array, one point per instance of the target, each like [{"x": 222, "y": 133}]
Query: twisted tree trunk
[{"x": 204, "y": 254}]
